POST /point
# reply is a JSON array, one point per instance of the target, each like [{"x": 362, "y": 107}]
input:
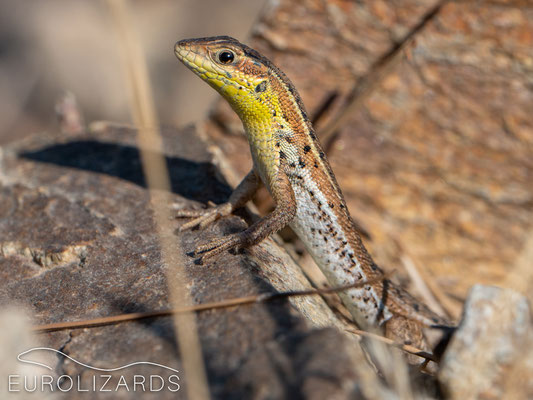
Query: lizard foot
[
  {"x": 234, "y": 241},
  {"x": 203, "y": 217}
]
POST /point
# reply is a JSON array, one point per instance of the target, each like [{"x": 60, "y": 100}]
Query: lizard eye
[{"x": 226, "y": 57}]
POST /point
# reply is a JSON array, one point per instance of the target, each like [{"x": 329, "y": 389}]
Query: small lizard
[{"x": 289, "y": 160}]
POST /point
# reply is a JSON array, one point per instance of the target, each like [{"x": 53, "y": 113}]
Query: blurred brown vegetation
[{"x": 47, "y": 47}]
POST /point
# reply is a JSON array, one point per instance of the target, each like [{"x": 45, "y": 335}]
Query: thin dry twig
[
  {"x": 405, "y": 347},
  {"x": 423, "y": 286},
  {"x": 240, "y": 301},
  {"x": 520, "y": 278}
]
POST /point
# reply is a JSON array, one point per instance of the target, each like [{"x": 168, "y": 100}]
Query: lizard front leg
[
  {"x": 283, "y": 213},
  {"x": 238, "y": 198}
]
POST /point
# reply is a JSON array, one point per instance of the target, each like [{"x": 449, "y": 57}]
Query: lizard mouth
[
  {"x": 182, "y": 52},
  {"x": 198, "y": 63},
  {"x": 188, "y": 57}
]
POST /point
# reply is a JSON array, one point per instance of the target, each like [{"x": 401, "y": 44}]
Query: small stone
[{"x": 490, "y": 356}]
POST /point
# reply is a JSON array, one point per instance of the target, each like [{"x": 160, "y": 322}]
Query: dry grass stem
[
  {"x": 520, "y": 277},
  {"x": 428, "y": 290},
  {"x": 157, "y": 177}
]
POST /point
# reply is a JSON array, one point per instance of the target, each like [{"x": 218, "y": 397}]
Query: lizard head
[{"x": 237, "y": 72}]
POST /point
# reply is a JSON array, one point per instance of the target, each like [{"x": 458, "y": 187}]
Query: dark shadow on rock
[
  {"x": 162, "y": 327},
  {"x": 190, "y": 179}
]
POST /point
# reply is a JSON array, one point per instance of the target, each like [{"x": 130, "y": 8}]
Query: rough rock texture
[
  {"x": 436, "y": 161},
  {"x": 77, "y": 241},
  {"x": 491, "y": 355}
]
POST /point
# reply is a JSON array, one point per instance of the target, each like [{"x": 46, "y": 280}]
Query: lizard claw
[
  {"x": 217, "y": 246},
  {"x": 203, "y": 217}
]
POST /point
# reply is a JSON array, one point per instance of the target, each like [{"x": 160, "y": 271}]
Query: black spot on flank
[
  {"x": 312, "y": 230},
  {"x": 343, "y": 206},
  {"x": 306, "y": 149},
  {"x": 313, "y": 136},
  {"x": 350, "y": 255},
  {"x": 301, "y": 162},
  {"x": 312, "y": 193},
  {"x": 282, "y": 155},
  {"x": 344, "y": 242},
  {"x": 331, "y": 205},
  {"x": 343, "y": 253},
  {"x": 274, "y": 113},
  {"x": 374, "y": 267},
  {"x": 293, "y": 165},
  {"x": 325, "y": 239},
  {"x": 285, "y": 117},
  {"x": 366, "y": 299},
  {"x": 288, "y": 139},
  {"x": 319, "y": 203},
  {"x": 320, "y": 231},
  {"x": 299, "y": 177},
  {"x": 277, "y": 144},
  {"x": 416, "y": 307},
  {"x": 322, "y": 155},
  {"x": 241, "y": 88},
  {"x": 281, "y": 127},
  {"x": 261, "y": 87},
  {"x": 316, "y": 165}
]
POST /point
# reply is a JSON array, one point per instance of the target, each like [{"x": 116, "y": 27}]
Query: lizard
[{"x": 289, "y": 160}]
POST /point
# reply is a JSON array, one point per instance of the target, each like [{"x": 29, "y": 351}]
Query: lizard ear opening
[{"x": 261, "y": 87}]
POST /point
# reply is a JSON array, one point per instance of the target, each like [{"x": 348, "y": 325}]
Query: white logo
[{"x": 100, "y": 382}]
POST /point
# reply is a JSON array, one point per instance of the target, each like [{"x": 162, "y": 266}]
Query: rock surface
[
  {"x": 78, "y": 242},
  {"x": 490, "y": 355}
]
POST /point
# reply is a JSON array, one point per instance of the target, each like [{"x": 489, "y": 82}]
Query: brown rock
[{"x": 78, "y": 242}]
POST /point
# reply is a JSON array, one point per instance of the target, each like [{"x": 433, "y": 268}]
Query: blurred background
[{"x": 47, "y": 47}]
